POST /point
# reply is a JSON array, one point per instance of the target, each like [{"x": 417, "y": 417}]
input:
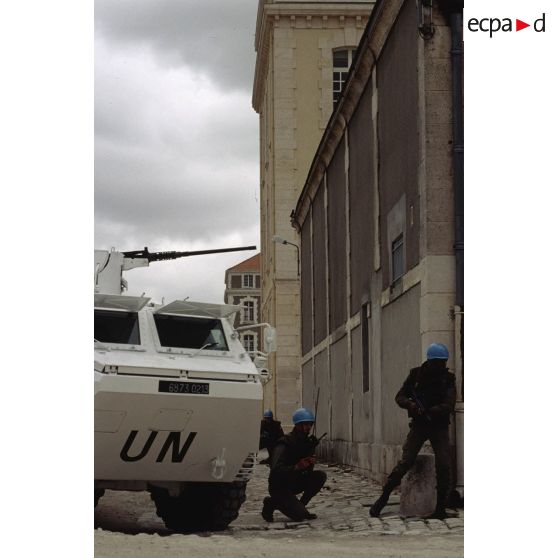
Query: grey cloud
[
  {"x": 157, "y": 193},
  {"x": 213, "y": 36}
]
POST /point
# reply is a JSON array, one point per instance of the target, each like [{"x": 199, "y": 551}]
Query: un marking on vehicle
[{"x": 173, "y": 440}]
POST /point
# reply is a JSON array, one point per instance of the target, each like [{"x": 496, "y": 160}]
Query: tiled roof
[{"x": 251, "y": 264}]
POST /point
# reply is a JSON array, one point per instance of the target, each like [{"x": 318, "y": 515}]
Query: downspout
[
  {"x": 456, "y": 22},
  {"x": 454, "y": 12}
]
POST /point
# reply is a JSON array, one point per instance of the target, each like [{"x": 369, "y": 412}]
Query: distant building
[
  {"x": 304, "y": 51},
  {"x": 380, "y": 223},
  {"x": 243, "y": 287}
]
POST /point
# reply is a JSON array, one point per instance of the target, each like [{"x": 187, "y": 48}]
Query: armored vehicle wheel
[
  {"x": 98, "y": 494},
  {"x": 200, "y": 506}
]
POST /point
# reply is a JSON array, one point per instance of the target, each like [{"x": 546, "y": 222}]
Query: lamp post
[{"x": 280, "y": 240}]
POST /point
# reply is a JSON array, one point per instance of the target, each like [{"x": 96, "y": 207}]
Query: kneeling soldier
[{"x": 292, "y": 471}]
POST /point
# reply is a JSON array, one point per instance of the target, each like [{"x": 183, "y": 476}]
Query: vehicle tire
[
  {"x": 98, "y": 494},
  {"x": 200, "y": 506}
]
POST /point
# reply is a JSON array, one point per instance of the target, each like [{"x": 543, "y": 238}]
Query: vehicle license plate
[{"x": 199, "y": 388}]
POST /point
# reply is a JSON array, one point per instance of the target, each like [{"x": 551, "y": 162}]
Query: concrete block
[{"x": 418, "y": 488}]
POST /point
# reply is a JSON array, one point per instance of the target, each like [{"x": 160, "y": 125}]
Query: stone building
[
  {"x": 380, "y": 225},
  {"x": 304, "y": 50},
  {"x": 243, "y": 287}
]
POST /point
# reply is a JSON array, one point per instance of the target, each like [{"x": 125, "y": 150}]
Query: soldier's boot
[
  {"x": 267, "y": 510},
  {"x": 304, "y": 501},
  {"x": 377, "y": 507},
  {"x": 315, "y": 482},
  {"x": 290, "y": 505},
  {"x": 440, "y": 511}
]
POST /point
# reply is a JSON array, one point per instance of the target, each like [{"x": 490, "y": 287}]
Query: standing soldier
[
  {"x": 428, "y": 394},
  {"x": 292, "y": 471},
  {"x": 270, "y": 432}
]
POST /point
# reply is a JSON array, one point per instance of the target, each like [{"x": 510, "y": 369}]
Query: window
[
  {"x": 397, "y": 260},
  {"x": 248, "y": 281},
  {"x": 117, "y": 327},
  {"x": 249, "y": 342},
  {"x": 185, "y": 332},
  {"x": 342, "y": 60},
  {"x": 248, "y": 310}
]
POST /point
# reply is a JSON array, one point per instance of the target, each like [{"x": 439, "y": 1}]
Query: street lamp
[{"x": 280, "y": 240}]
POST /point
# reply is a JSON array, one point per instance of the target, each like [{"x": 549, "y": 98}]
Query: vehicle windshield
[
  {"x": 117, "y": 327},
  {"x": 186, "y": 332}
]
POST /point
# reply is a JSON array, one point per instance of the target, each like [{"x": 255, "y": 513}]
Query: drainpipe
[{"x": 453, "y": 10}]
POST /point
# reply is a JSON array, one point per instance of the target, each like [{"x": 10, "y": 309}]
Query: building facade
[
  {"x": 243, "y": 288},
  {"x": 380, "y": 225},
  {"x": 304, "y": 50}
]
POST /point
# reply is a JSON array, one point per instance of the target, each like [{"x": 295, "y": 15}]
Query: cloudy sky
[{"x": 176, "y": 138}]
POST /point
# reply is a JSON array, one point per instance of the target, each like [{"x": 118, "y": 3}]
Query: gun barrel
[{"x": 173, "y": 255}]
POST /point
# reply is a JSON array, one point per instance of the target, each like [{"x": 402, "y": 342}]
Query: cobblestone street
[{"x": 341, "y": 507}]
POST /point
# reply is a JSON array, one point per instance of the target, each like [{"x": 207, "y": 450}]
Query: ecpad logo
[{"x": 494, "y": 24}]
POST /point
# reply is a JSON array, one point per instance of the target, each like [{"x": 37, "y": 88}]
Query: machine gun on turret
[
  {"x": 161, "y": 256},
  {"x": 109, "y": 265}
]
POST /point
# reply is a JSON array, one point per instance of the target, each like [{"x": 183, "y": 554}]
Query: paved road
[{"x": 343, "y": 519}]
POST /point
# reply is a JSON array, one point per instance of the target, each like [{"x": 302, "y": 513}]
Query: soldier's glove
[{"x": 304, "y": 463}]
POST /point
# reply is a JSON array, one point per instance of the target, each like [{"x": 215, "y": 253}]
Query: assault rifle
[
  {"x": 315, "y": 441},
  {"x": 416, "y": 399},
  {"x": 312, "y": 440}
]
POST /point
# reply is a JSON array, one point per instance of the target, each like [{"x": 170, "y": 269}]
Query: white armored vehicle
[{"x": 177, "y": 399}]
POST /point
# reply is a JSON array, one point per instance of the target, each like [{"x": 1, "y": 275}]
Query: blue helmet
[
  {"x": 437, "y": 351},
  {"x": 268, "y": 413},
  {"x": 303, "y": 415}
]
